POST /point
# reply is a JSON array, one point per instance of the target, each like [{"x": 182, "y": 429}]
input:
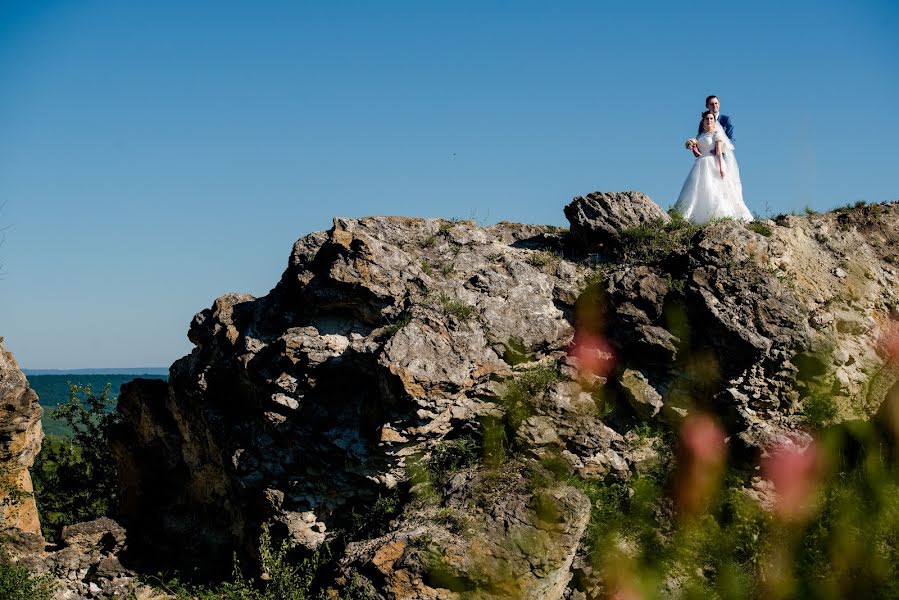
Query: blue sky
[{"x": 155, "y": 155}]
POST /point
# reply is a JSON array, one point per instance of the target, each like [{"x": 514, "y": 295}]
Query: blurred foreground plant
[{"x": 821, "y": 522}]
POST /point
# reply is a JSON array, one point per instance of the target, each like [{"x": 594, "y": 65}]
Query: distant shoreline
[{"x": 125, "y": 371}]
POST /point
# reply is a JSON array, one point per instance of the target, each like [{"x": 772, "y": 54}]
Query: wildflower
[
  {"x": 701, "y": 457},
  {"x": 889, "y": 343},
  {"x": 796, "y": 474},
  {"x": 593, "y": 354}
]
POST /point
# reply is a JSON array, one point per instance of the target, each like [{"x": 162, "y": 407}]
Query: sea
[{"x": 52, "y": 388}]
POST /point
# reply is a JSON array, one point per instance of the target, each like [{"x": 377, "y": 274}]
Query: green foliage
[
  {"x": 810, "y": 211},
  {"x": 281, "y": 579},
  {"x": 819, "y": 409},
  {"x": 543, "y": 258},
  {"x": 524, "y": 390},
  {"x": 759, "y": 228},
  {"x": 75, "y": 478},
  {"x": 456, "y": 308},
  {"x": 374, "y": 520},
  {"x": 427, "y": 268},
  {"x": 448, "y": 457},
  {"x": 653, "y": 242},
  {"x": 17, "y": 583},
  {"x": 390, "y": 330},
  {"x": 515, "y": 352},
  {"x": 676, "y": 284}
]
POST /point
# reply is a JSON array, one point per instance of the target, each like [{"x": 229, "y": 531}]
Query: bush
[
  {"x": 280, "y": 579},
  {"x": 17, "y": 583},
  {"x": 449, "y": 457},
  {"x": 759, "y": 228},
  {"x": 653, "y": 242},
  {"x": 457, "y": 308},
  {"x": 524, "y": 390},
  {"x": 75, "y": 478}
]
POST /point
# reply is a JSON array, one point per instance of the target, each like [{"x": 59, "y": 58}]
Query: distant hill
[
  {"x": 128, "y": 371},
  {"x": 53, "y": 389}
]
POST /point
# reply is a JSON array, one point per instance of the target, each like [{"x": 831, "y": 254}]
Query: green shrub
[
  {"x": 75, "y": 478},
  {"x": 514, "y": 351},
  {"x": 652, "y": 242},
  {"x": 281, "y": 579},
  {"x": 543, "y": 258},
  {"x": 524, "y": 390},
  {"x": 373, "y": 520},
  {"x": 17, "y": 583},
  {"x": 759, "y": 228},
  {"x": 448, "y": 457},
  {"x": 456, "y": 308},
  {"x": 390, "y": 330}
]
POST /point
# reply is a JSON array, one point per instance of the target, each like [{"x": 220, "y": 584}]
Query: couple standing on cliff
[{"x": 713, "y": 189}]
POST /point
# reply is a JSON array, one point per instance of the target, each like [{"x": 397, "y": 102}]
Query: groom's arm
[{"x": 729, "y": 129}]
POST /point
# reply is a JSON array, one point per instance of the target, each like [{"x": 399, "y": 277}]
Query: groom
[{"x": 713, "y": 104}]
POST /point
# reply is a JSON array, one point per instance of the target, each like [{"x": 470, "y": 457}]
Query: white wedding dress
[{"x": 706, "y": 195}]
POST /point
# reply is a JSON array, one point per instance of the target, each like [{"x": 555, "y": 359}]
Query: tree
[{"x": 75, "y": 478}]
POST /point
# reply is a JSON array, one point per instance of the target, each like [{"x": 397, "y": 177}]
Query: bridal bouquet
[{"x": 689, "y": 144}]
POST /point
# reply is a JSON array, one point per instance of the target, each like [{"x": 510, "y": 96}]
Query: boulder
[{"x": 598, "y": 219}]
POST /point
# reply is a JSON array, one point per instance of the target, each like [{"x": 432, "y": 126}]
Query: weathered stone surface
[
  {"x": 87, "y": 564},
  {"x": 20, "y": 442},
  {"x": 644, "y": 398},
  {"x": 388, "y": 340},
  {"x": 517, "y": 546},
  {"x": 383, "y": 336},
  {"x": 598, "y": 219}
]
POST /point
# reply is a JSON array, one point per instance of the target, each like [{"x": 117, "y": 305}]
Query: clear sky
[{"x": 155, "y": 155}]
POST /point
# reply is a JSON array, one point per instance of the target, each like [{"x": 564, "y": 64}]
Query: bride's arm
[{"x": 719, "y": 147}]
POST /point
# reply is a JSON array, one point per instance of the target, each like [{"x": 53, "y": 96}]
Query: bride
[{"x": 713, "y": 189}]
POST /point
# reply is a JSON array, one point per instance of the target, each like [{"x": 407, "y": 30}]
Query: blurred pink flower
[
  {"x": 594, "y": 355},
  {"x": 795, "y": 473},
  {"x": 626, "y": 593},
  {"x": 889, "y": 342},
  {"x": 701, "y": 457}
]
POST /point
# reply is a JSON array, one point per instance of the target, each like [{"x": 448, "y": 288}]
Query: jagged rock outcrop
[
  {"x": 384, "y": 337},
  {"x": 392, "y": 347},
  {"x": 20, "y": 442},
  {"x": 599, "y": 219}
]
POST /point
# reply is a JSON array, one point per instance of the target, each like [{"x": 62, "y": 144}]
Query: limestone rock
[
  {"x": 383, "y": 336},
  {"x": 644, "y": 398},
  {"x": 598, "y": 219},
  {"x": 391, "y": 342},
  {"x": 20, "y": 442}
]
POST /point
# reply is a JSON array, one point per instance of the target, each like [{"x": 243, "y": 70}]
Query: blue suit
[{"x": 726, "y": 124}]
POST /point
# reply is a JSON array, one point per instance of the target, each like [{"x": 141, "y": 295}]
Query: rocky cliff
[
  {"x": 20, "y": 442},
  {"x": 406, "y": 390}
]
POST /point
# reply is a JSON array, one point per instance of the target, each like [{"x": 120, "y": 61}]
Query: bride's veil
[
  {"x": 730, "y": 160},
  {"x": 728, "y": 145}
]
